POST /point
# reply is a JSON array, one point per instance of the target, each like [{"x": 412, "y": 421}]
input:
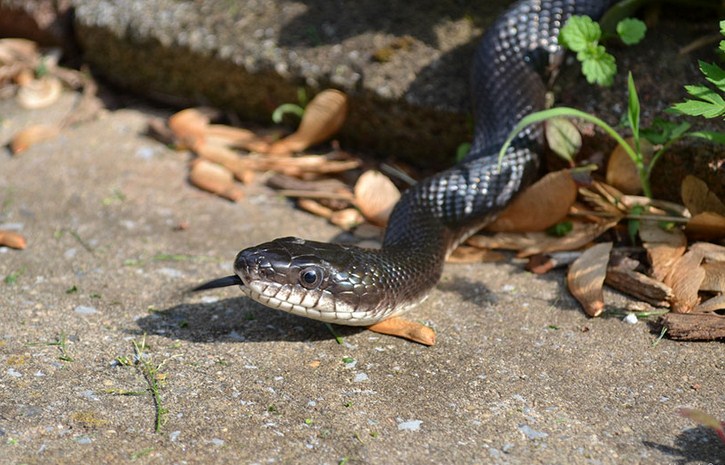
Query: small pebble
[
  {"x": 360, "y": 377},
  {"x": 631, "y": 318},
  {"x": 85, "y": 310},
  {"x": 531, "y": 433},
  {"x": 410, "y": 425}
]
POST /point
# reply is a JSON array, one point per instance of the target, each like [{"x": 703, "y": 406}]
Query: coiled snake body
[{"x": 354, "y": 286}]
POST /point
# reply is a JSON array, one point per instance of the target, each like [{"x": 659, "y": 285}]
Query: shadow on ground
[
  {"x": 236, "y": 319},
  {"x": 694, "y": 445}
]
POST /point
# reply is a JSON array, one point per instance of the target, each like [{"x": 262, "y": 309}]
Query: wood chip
[
  {"x": 586, "y": 275},
  {"x": 375, "y": 196},
  {"x": 540, "y": 206},
  {"x": 711, "y": 252},
  {"x": 12, "y": 240},
  {"x": 639, "y": 285},
  {"x": 685, "y": 279},
  {"x": 694, "y": 327},
  {"x": 215, "y": 179}
]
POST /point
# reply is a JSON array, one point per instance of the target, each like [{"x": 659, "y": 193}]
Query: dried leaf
[
  {"x": 538, "y": 242},
  {"x": 698, "y": 198},
  {"x": 586, "y": 278},
  {"x": 711, "y": 252},
  {"x": 12, "y": 240},
  {"x": 685, "y": 279},
  {"x": 228, "y": 136},
  {"x": 215, "y": 179},
  {"x": 32, "y": 135},
  {"x": 40, "y": 93},
  {"x": 621, "y": 170},
  {"x": 375, "y": 196},
  {"x": 468, "y": 254},
  {"x": 711, "y": 305},
  {"x": 18, "y": 50},
  {"x": 664, "y": 248},
  {"x": 706, "y": 226},
  {"x": 314, "y": 207},
  {"x": 563, "y": 137},
  {"x": 406, "y": 329},
  {"x": 323, "y": 117},
  {"x": 714, "y": 280},
  {"x": 542, "y": 205},
  {"x": 189, "y": 126},
  {"x": 543, "y": 263},
  {"x": 220, "y": 155},
  {"x": 347, "y": 219}
]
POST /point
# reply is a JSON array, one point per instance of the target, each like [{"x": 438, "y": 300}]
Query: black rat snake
[{"x": 353, "y": 286}]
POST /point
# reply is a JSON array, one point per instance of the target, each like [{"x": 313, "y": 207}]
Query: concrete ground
[{"x": 519, "y": 374}]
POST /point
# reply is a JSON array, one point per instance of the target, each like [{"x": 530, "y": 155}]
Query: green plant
[
  {"x": 581, "y": 35},
  {"x": 291, "y": 108}
]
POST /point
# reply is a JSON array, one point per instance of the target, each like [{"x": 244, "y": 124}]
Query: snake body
[{"x": 353, "y": 286}]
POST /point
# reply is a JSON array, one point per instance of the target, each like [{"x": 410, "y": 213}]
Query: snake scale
[{"x": 361, "y": 287}]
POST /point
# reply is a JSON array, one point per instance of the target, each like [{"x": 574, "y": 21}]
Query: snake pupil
[{"x": 310, "y": 277}]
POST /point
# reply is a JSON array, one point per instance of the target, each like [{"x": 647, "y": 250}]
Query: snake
[{"x": 348, "y": 285}]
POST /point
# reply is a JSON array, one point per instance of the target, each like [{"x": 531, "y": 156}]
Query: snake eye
[{"x": 311, "y": 277}]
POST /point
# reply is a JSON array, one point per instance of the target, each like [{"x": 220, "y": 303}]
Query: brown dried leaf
[
  {"x": 714, "y": 280},
  {"x": 314, "y": 207},
  {"x": 711, "y": 252},
  {"x": 468, "y": 254},
  {"x": 586, "y": 278},
  {"x": 40, "y": 93},
  {"x": 32, "y": 135},
  {"x": 375, "y": 196},
  {"x": 189, "y": 126},
  {"x": 323, "y": 117},
  {"x": 220, "y": 155},
  {"x": 706, "y": 226},
  {"x": 538, "y": 242},
  {"x": 297, "y": 166},
  {"x": 698, "y": 198},
  {"x": 347, "y": 218},
  {"x": 685, "y": 279},
  {"x": 664, "y": 248},
  {"x": 228, "y": 136},
  {"x": 18, "y": 50},
  {"x": 396, "y": 326},
  {"x": 215, "y": 179},
  {"x": 621, "y": 170},
  {"x": 711, "y": 305},
  {"x": 542, "y": 205},
  {"x": 12, "y": 240}
]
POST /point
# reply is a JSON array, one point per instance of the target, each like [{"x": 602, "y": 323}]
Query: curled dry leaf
[
  {"x": 706, "y": 226},
  {"x": 347, "y": 218},
  {"x": 189, "y": 126},
  {"x": 542, "y": 205},
  {"x": 375, "y": 196},
  {"x": 396, "y": 326},
  {"x": 533, "y": 243},
  {"x": 32, "y": 135},
  {"x": 314, "y": 207},
  {"x": 12, "y": 240},
  {"x": 685, "y": 279},
  {"x": 698, "y": 198},
  {"x": 215, "y": 179},
  {"x": 621, "y": 170},
  {"x": 228, "y": 136},
  {"x": 40, "y": 93},
  {"x": 586, "y": 278},
  {"x": 323, "y": 117},
  {"x": 711, "y": 305},
  {"x": 714, "y": 280},
  {"x": 468, "y": 254},
  {"x": 664, "y": 248}
]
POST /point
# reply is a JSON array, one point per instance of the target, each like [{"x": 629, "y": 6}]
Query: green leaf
[
  {"x": 632, "y": 224},
  {"x": 713, "y": 73},
  {"x": 631, "y": 30},
  {"x": 563, "y": 138},
  {"x": 560, "y": 229},
  {"x": 712, "y": 136},
  {"x": 579, "y": 32},
  {"x": 285, "y": 108},
  {"x": 633, "y": 110},
  {"x": 600, "y": 70},
  {"x": 705, "y": 93},
  {"x": 663, "y": 131}
]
